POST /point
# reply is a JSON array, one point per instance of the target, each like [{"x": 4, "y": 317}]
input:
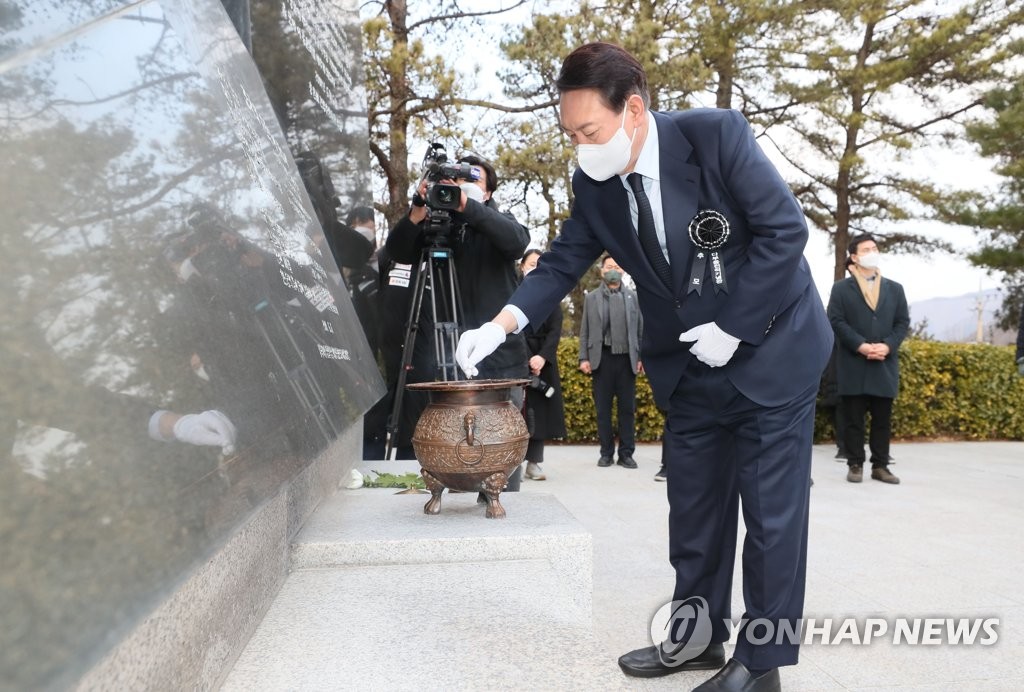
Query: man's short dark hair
[
  {"x": 491, "y": 176},
  {"x": 857, "y": 240},
  {"x": 608, "y": 69},
  {"x": 358, "y": 214}
]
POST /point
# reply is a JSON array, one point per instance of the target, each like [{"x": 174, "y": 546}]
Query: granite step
[{"x": 384, "y": 597}]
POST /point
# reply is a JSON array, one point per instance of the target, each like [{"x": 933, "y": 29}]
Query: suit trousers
[
  {"x": 721, "y": 447},
  {"x": 854, "y": 408},
  {"x": 615, "y": 379}
]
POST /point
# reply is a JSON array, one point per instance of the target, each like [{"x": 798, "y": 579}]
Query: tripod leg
[
  {"x": 411, "y": 328},
  {"x": 446, "y": 331}
]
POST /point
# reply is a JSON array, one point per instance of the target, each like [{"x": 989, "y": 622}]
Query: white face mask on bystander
[
  {"x": 871, "y": 260},
  {"x": 367, "y": 232},
  {"x": 473, "y": 192}
]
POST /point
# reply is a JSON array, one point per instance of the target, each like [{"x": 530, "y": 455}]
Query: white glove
[
  {"x": 211, "y": 428},
  {"x": 477, "y": 344},
  {"x": 713, "y": 347}
]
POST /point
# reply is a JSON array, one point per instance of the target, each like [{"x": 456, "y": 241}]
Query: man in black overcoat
[{"x": 870, "y": 317}]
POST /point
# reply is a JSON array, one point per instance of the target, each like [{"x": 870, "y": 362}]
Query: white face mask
[
  {"x": 473, "y": 191},
  {"x": 186, "y": 270},
  {"x": 602, "y": 161},
  {"x": 870, "y": 261},
  {"x": 367, "y": 232}
]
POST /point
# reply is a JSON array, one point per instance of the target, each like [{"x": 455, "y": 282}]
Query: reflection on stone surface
[{"x": 174, "y": 339}]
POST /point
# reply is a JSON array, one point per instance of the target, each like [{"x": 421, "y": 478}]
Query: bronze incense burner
[{"x": 470, "y": 437}]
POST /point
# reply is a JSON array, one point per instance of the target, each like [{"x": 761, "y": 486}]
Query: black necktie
[{"x": 645, "y": 230}]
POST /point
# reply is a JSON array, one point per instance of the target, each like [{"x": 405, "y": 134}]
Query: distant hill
[{"x": 956, "y": 318}]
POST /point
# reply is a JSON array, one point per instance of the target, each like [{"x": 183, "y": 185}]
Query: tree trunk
[
  {"x": 850, "y": 151},
  {"x": 399, "y": 95},
  {"x": 723, "y": 95}
]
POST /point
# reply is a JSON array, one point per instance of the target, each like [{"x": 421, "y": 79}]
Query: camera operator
[
  {"x": 486, "y": 244},
  {"x": 363, "y": 279},
  {"x": 247, "y": 340}
]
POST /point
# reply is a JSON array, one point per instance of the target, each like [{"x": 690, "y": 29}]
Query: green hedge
[
  {"x": 580, "y": 420},
  {"x": 947, "y": 391}
]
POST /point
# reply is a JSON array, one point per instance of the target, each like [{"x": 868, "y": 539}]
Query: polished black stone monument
[{"x": 175, "y": 339}]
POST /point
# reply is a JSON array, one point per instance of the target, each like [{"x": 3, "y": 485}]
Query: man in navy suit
[{"x": 734, "y": 344}]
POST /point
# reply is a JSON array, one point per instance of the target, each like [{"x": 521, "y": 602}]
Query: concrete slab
[
  {"x": 944, "y": 543},
  {"x": 459, "y": 626},
  {"x": 379, "y": 527}
]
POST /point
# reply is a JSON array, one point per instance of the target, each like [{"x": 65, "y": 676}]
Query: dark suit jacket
[
  {"x": 855, "y": 324},
  {"x": 709, "y": 160},
  {"x": 592, "y": 326}
]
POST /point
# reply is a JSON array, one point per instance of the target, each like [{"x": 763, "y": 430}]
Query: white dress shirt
[{"x": 648, "y": 165}]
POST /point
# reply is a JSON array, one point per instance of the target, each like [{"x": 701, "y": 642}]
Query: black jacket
[
  {"x": 546, "y": 415},
  {"x": 485, "y": 246},
  {"x": 855, "y": 323}
]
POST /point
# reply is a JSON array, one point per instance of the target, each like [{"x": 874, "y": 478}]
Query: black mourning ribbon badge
[{"x": 708, "y": 231}]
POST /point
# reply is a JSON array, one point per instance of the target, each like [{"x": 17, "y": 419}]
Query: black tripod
[{"x": 436, "y": 275}]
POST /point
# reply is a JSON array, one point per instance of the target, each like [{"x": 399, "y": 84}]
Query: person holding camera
[
  {"x": 545, "y": 411},
  {"x": 485, "y": 243},
  {"x": 229, "y": 286}
]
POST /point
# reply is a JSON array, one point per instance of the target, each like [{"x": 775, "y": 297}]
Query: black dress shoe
[
  {"x": 604, "y": 461},
  {"x": 647, "y": 662},
  {"x": 736, "y": 678},
  {"x": 627, "y": 462}
]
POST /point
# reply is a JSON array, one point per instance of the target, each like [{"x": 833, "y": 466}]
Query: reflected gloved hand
[
  {"x": 713, "y": 347},
  {"x": 477, "y": 344},
  {"x": 210, "y": 428}
]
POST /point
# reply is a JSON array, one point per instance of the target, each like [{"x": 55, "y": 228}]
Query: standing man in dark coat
[
  {"x": 735, "y": 339},
  {"x": 870, "y": 317},
  {"x": 610, "y": 336}
]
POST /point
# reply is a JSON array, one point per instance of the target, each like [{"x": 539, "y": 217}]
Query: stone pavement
[
  {"x": 945, "y": 544},
  {"x": 948, "y": 542}
]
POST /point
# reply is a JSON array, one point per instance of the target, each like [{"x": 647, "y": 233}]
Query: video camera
[{"x": 437, "y": 168}]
